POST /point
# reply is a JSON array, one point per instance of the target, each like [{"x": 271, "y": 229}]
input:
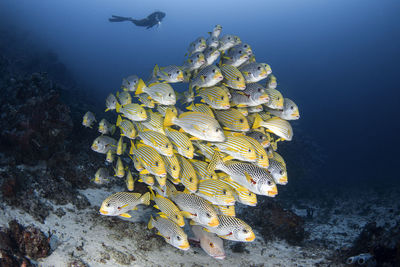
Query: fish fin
[
  {"x": 132, "y": 148},
  {"x": 190, "y": 107},
  {"x": 181, "y": 130},
  {"x": 249, "y": 179},
  {"x": 145, "y": 199},
  {"x": 193, "y": 222},
  {"x": 156, "y": 207},
  {"x": 241, "y": 105},
  {"x": 156, "y": 69},
  {"x": 187, "y": 214},
  {"x": 119, "y": 120},
  {"x": 194, "y": 138},
  {"x": 202, "y": 101},
  {"x": 169, "y": 118},
  {"x": 125, "y": 215},
  {"x": 225, "y": 236},
  {"x": 141, "y": 85},
  {"x": 152, "y": 195},
  {"x": 205, "y": 229},
  {"x": 107, "y": 109},
  {"x": 124, "y": 206},
  {"x": 134, "y": 208},
  {"x": 117, "y": 107},
  {"x": 144, "y": 171},
  {"x": 215, "y": 160},
  {"x": 150, "y": 223},
  {"x": 162, "y": 215},
  {"x": 257, "y": 121},
  {"x": 228, "y": 158}
]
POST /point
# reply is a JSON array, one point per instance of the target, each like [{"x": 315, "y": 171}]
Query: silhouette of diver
[{"x": 150, "y": 21}]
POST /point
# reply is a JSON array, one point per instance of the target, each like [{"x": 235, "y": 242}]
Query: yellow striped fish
[
  {"x": 242, "y": 194},
  {"x": 120, "y": 146},
  {"x": 119, "y": 169},
  {"x": 168, "y": 208},
  {"x": 172, "y": 166},
  {"x": 188, "y": 175},
  {"x": 198, "y": 124},
  {"x": 216, "y": 192},
  {"x": 239, "y": 148},
  {"x": 146, "y": 101},
  {"x": 175, "y": 181},
  {"x": 149, "y": 159},
  {"x": 215, "y": 97},
  {"x": 271, "y": 82},
  {"x": 147, "y": 179},
  {"x": 110, "y": 156},
  {"x": 290, "y": 110},
  {"x": 134, "y": 112},
  {"x": 136, "y": 163},
  {"x": 130, "y": 183},
  {"x": 262, "y": 138},
  {"x": 278, "y": 172},
  {"x": 205, "y": 149},
  {"x": 181, "y": 142},
  {"x": 275, "y": 99},
  {"x": 279, "y": 158},
  {"x": 232, "y": 119},
  {"x": 158, "y": 141},
  {"x": 262, "y": 157},
  {"x": 162, "y": 93},
  {"x": 277, "y": 126},
  {"x": 124, "y": 98},
  {"x": 126, "y": 127},
  {"x": 233, "y": 78},
  {"x": 201, "y": 108},
  {"x": 154, "y": 122},
  {"x": 225, "y": 210},
  {"x": 163, "y": 108},
  {"x": 201, "y": 170},
  {"x": 244, "y": 111}
]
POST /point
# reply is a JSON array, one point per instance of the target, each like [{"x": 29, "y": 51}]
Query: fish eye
[
  {"x": 176, "y": 216},
  {"x": 217, "y": 130},
  {"x": 269, "y": 183},
  {"x": 278, "y": 98},
  {"x": 245, "y": 231},
  {"x": 177, "y": 72},
  {"x": 240, "y": 51},
  {"x": 261, "y": 157},
  {"x": 245, "y": 46},
  {"x": 213, "y": 70},
  {"x": 135, "y": 81},
  {"x": 259, "y": 90},
  {"x": 190, "y": 179},
  {"x": 178, "y": 238},
  {"x": 108, "y": 205},
  {"x": 222, "y": 97},
  {"x": 224, "y": 191},
  {"x": 291, "y": 107},
  {"x": 156, "y": 163},
  {"x": 238, "y": 78},
  {"x": 169, "y": 94},
  {"x": 211, "y": 244},
  {"x": 281, "y": 172},
  {"x": 191, "y": 61},
  {"x": 241, "y": 120},
  {"x": 208, "y": 215},
  {"x": 229, "y": 38},
  {"x": 166, "y": 146},
  {"x": 173, "y": 168},
  {"x": 249, "y": 193},
  {"x": 198, "y": 56},
  {"x": 169, "y": 74},
  {"x": 249, "y": 150},
  {"x": 259, "y": 68}
]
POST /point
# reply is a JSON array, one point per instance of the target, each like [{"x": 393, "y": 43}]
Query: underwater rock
[{"x": 274, "y": 222}]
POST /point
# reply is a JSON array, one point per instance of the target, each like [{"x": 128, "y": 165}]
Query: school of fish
[{"x": 200, "y": 151}]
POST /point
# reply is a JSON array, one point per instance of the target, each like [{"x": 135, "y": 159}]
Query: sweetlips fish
[
  {"x": 88, "y": 119},
  {"x": 238, "y": 147},
  {"x": 232, "y": 228},
  {"x": 216, "y": 31},
  {"x": 195, "y": 61},
  {"x": 172, "y": 233},
  {"x": 278, "y": 172},
  {"x": 130, "y": 83},
  {"x": 197, "y": 45},
  {"x": 110, "y": 156},
  {"x": 148, "y": 179},
  {"x": 181, "y": 142},
  {"x": 158, "y": 141},
  {"x": 242, "y": 194},
  {"x": 167, "y": 207},
  {"x": 172, "y": 166},
  {"x": 161, "y": 93},
  {"x": 216, "y": 192},
  {"x": 275, "y": 99},
  {"x": 242, "y": 46},
  {"x": 275, "y": 125},
  {"x": 103, "y": 144},
  {"x": 215, "y": 97},
  {"x": 234, "y": 57},
  {"x": 271, "y": 82},
  {"x": 233, "y": 78},
  {"x": 119, "y": 169},
  {"x": 253, "y": 95},
  {"x": 146, "y": 100},
  {"x": 262, "y": 157},
  {"x": 188, "y": 175},
  {"x": 200, "y": 125},
  {"x": 225, "y": 210},
  {"x": 254, "y": 72},
  {"x": 212, "y": 42},
  {"x": 118, "y": 204},
  {"x": 209, "y": 242},
  {"x": 149, "y": 158},
  {"x": 201, "y": 170},
  {"x": 124, "y": 98},
  {"x": 169, "y": 74},
  {"x": 203, "y": 108},
  {"x": 101, "y": 176},
  {"x": 153, "y": 122},
  {"x": 126, "y": 127},
  {"x": 106, "y": 128},
  {"x": 134, "y": 112},
  {"x": 129, "y": 181},
  {"x": 211, "y": 54},
  {"x": 207, "y": 77},
  {"x": 256, "y": 109},
  {"x": 290, "y": 110},
  {"x": 163, "y": 108},
  {"x": 232, "y": 119},
  {"x": 111, "y": 102},
  {"x": 227, "y": 41}
]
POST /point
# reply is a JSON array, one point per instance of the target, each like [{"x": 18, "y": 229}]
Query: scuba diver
[{"x": 148, "y": 22}]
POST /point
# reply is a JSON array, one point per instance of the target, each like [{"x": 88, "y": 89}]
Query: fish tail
[
  {"x": 152, "y": 195},
  {"x": 117, "y": 107},
  {"x": 156, "y": 69},
  {"x": 131, "y": 151},
  {"x": 169, "y": 117},
  {"x": 119, "y": 120},
  {"x": 150, "y": 224},
  {"x": 112, "y": 129},
  {"x": 170, "y": 188},
  {"x": 190, "y": 107},
  {"x": 145, "y": 199},
  {"x": 257, "y": 121},
  {"x": 140, "y": 87},
  {"x": 215, "y": 160}
]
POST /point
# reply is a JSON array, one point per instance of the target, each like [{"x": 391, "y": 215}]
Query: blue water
[{"x": 338, "y": 60}]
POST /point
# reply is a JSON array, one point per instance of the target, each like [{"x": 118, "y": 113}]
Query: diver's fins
[{"x": 118, "y": 19}]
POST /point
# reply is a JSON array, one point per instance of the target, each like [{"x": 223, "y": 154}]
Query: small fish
[
  {"x": 134, "y": 112},
  {"x": 256, "y": 109},
  {"x": 233, "y": 228},
  {"x": 234, "y": 57},
  {"x": 200, "y": 125},
  {"x": 211, "y": 54},
  {"x": 209, "y": 242},
  {"x": 278, "y": 172},
  {"x": 88, "y": 119},
  {"x": 162, "y": 93},
  {"x": 216, "y": 192},
  {"x": 119, "y": 169},
  {"x": 168, "y": 208},
  {"x": 212, "y": 42},
  {"x": 146, "y": 101},
  {"x": 172, "y": 233},
  {"x": 118, "y": 204},
  {"x": 262, "y": 157},
  {"x": 239, "y": 148},
  {"x": 181, "y": 142},
  {"x": 225, "y": 210},
  {"x": 244, "y": 111},
  {"x": 227, "y": 41},
  {"x": 169, "y": 74},
  {"x": 124, "y": 98},
  {"x": 147, "y": 179},
  {"x": 172, "y": 166},
  {"x": 153, "y": 122},
  {"x": 257, "y": 180},
  {"x": 110, "y": 156},
  {"x": 201, "y": 108},
  {"x": 207, "y": 77},
  {"x": 163, "y": 108},
  {"x": 254, "y": 72},
  {"x": 126, "y": 127},
  {"x": 277, "y": 126},
  {"x": 103, "y": 144},
  {"x": 202, "y": 171},
  {"x": 197, "y": 45},
  {"x": 120, "y": 146},
  {"x": 216, "y": 31},
  {"x": 158, "y": 141},
  {"x": 149, "y": 159},
  {"x": 242, "y": 46},
  {"x": 242, "y": 194},
  {"x": 290, "y": 110},
  {"x": 233, "y": 78},
  {"x": 131, "y": 83},
  {"x": 279, "y": 158},
  {"x": 130, "y": 182},
  {"x": 205, "y": 149},
  {"x": 106, "y": 128},
  {"x": 271, "y": 82},
  {"x": 111, "y": 102},
  {"x": 232, "y": 119},
  {"x": 253, "y": 95},
  {"x": 275, "y": 99},
  {"x": 101, "y": 176},
  {"x": 195, "y": 61},
  {"x": 215, "y": 97},
  {"x": 188, "y": 175}
]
